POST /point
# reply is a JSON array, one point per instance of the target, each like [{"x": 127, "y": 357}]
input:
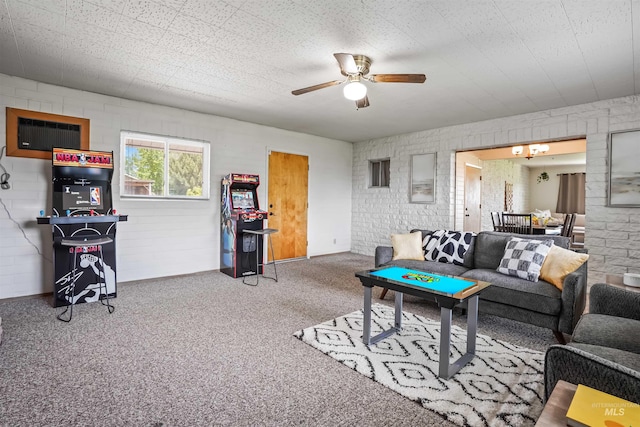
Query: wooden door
[
  {"x": 472, "y": 191},
  {"x": 287, "y": 204}
]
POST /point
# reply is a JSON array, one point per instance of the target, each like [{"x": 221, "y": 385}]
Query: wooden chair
[
  {"x": 517, "y": 223},
  {"x": 567, "y": 231},
  {"x": 567, "y": 227},
  {"x": 496, "y": 219}
]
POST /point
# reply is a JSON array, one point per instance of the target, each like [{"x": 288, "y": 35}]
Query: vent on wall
[
  {"x": 42, "y": 135},
  {"x": 34, "y": 134}
]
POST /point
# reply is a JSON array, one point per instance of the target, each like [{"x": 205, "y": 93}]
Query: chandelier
[{"x": 533, "y": 149}]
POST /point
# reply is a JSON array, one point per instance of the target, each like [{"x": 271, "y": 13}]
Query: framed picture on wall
[
  {"x": 624, "y": 169},
  {"x": 423, "y": 178}
]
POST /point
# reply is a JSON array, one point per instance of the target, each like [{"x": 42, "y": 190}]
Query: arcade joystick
[
  {"x": 115, "y": 212},
  {"x": 68, "y": 212},
  {"x": 41, "y": 213}
]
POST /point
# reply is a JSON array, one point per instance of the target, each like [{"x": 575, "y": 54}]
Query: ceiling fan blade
[
  {"x": 316, "y": 87},
  {"x": 347, "y": 63},
  {"x": 398, "y": 78},
  {"x": 364, "y": 102}
]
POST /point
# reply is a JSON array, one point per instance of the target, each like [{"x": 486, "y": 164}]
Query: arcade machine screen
[
  {"x": 83, "y": 197},
  {"x": 242, "y": 198}
]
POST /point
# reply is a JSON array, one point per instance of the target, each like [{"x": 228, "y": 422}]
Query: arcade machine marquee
[{"x": 82, "y": 208}]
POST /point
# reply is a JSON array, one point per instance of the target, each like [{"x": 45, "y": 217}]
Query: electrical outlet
[{"x": 334, "y": 241}]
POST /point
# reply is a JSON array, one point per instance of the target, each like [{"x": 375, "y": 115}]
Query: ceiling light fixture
[
  {"x": 534, "y": 149},
  {"x": 355, "y": 90}
]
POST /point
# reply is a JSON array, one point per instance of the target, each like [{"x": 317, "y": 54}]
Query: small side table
[
  {"x": 264, "y": 233},
  {"x": 555, "y": 410},
  {"x": 617, "y": 281}
]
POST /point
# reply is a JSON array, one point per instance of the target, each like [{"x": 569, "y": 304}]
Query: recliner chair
[{"x": 604, "y": 352}]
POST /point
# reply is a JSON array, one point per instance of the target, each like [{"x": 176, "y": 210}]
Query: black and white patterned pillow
[
  {"x": 448, "y": 246},
  {"x": 524, "y": 258}
]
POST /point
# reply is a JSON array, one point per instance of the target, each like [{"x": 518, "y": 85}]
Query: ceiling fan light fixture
[{"x": 355, "y": 90}]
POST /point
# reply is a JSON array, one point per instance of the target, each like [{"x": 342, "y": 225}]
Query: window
[
  {"x": 162, "y": 166},
  {"x": 379, "y": 173}
]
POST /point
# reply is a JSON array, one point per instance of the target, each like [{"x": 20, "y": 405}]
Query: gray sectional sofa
[
  {"x": 605, "y": 349},
  {"x": 537, "y": 303}
]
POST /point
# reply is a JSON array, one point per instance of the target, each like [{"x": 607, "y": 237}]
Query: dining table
[{"x": 554, "y": 230}]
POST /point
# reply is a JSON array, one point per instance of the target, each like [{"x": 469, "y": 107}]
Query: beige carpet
[{"x": 203, "y": 350}]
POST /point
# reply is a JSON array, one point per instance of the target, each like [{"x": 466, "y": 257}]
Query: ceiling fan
[{"x": 356, "y": 68}]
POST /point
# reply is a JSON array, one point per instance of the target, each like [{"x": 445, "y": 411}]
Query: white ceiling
[
  {"x": 574, "y": 159},
  {"x": 242, "y": 58},
  {"x": 572, "y": 152}
]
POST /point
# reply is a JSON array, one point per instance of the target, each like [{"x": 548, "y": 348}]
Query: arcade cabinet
[
  {"x": 240, "y": 211},
  {"x": 83, "y": 223}
]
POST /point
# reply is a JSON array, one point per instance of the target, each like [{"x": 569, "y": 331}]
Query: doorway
[
  {"x": 288, "y": 204},
  {"x": 502, "y": 168}
]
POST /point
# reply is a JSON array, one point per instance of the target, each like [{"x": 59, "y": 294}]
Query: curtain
[
  {"x": 571, "y": 193},
  {"x": 385, "y": 173}
]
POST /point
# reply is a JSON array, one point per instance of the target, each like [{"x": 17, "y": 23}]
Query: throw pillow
[
  {"x": 448, "y": 246},
  {"x": 559, "y": 263},
  {"x": 407, "y": 246},
  {"x": 524, "y": 258}
]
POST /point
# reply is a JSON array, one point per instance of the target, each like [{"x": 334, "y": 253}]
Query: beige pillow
[
  {"x": 559, "y": 263},
  {"x": 407, "y": 246}
]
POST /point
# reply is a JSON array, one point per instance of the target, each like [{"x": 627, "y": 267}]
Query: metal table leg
[
  {"x": 446, "y": 370},
  {"x": 366, "y": 327}
]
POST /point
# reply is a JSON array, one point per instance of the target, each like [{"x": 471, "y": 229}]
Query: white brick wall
[
  {"x": 165, "y": 237},
  {"x": 611, "y": 233},
  {"x": 494, "y": 175}
]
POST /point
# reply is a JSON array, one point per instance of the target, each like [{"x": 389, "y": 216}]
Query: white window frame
[
  {"x": 167, "y": 141},
  {"x": 371, "y": 166}
]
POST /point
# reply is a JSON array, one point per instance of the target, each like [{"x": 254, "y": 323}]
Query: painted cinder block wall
[
  {"x": 162, "y": 237},
  {"x": 612, "y": 234}
]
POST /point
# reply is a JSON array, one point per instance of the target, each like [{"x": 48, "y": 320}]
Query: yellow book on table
[{"x": 591, "y": 408}]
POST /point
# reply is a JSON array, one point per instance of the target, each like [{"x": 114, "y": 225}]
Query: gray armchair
[{"x": 604, "y": 352}]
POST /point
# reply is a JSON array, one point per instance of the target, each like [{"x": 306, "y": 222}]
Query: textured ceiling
[{"x": 242, "y": 58}]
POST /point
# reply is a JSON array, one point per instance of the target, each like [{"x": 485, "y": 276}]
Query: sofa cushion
[
  {"x": 448, "y": 246},
  {"x": 430, "y": 267},
  {"x": 490, "y": 245},
  {"x": 524, "y": 258},
  {"x": 540, "y": 296},
  {"x": 468, "y": 256},
  {"x": 608, "y": 331},
  {"x": 559, "y": 263},
  {"x": 407, "y": 246}
]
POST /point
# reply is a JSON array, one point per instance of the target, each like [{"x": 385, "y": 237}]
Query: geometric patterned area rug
[{"x": 501, "y": 386}]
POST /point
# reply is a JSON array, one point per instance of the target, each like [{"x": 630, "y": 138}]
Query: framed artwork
[
  {"x": 624, "y": 169},
  {"x": 423, "y": 178}
]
